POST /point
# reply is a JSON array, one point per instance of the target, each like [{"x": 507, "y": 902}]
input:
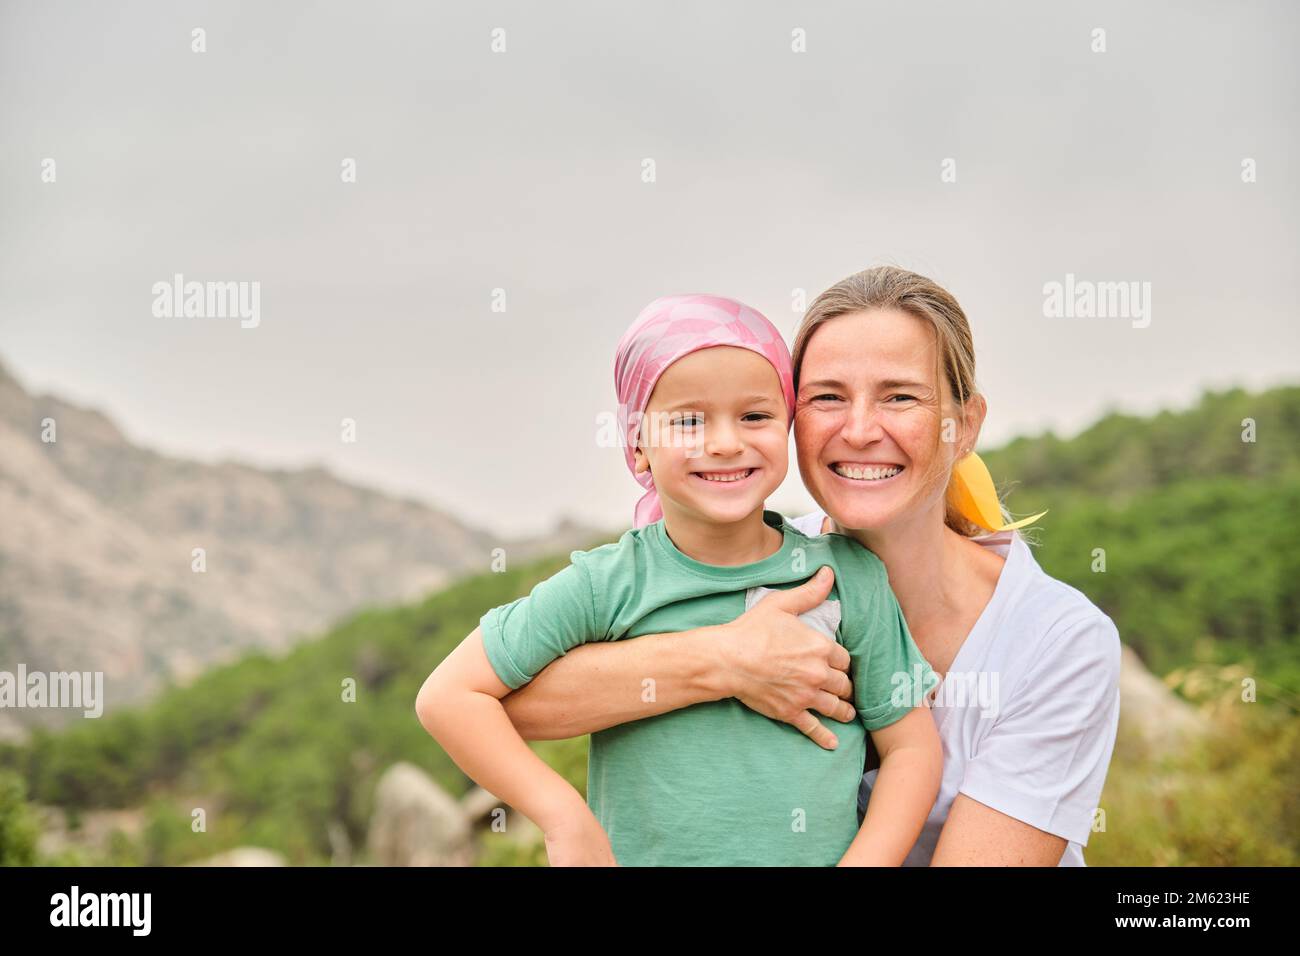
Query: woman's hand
[
  {"x": 784, "y": 669},
  {"x": 578, "y": 840}
]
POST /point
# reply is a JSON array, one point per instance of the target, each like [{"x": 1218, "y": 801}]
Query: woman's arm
[
  {"x": 976, "y": 835},
  {"x": 610, "y": 683},
  {"x": 459, "y": 705},
  {"x": 767, "y": 658}
]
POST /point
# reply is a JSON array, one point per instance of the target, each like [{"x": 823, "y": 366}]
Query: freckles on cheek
[
  {"x": 809, "y": 450},
  {"x": 811, "y": 429}
]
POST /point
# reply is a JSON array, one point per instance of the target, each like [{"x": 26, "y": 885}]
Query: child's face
[{"x": 716, "y": 414}]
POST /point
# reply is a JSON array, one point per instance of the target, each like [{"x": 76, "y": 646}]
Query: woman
[{"x": 1027, "y": 710}]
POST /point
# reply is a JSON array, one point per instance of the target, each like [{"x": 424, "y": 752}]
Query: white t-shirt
[{"x": 1027, "y": 712}]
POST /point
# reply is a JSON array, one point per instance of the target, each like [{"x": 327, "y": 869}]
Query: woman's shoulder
[{"x": 1053, "y": 619}]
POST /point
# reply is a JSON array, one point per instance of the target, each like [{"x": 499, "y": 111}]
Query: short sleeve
[
  {"x": 522, "y": 637},
  {"x": 1044, "y": 760},
  {"x": 890, "y": 675}
]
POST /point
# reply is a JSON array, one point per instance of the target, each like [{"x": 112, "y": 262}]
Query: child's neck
[{"x": 724, "y": 544}]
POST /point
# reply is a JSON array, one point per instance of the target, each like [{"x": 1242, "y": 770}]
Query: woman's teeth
[
  {"x": 866, "y": 472},
  {"x": 725, "y": 476}
]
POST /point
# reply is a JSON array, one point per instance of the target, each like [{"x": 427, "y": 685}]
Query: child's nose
[{"x": 722, "y": 439}]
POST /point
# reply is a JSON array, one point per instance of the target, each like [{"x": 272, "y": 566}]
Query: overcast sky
[{"x": 522, "y": 170}]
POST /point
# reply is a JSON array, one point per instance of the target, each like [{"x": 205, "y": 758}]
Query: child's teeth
[
  {"x": 734, "y": 476},
  {"x": 868, "y": 473}
]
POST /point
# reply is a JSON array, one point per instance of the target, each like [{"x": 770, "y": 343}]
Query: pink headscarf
[{"x": 667, "y": 329}]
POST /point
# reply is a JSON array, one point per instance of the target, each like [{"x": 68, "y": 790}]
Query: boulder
[
  {"x": 243, "y": 856},
  {"x": 416, "y": 822},
  {"x": 1151, "y": 712}
]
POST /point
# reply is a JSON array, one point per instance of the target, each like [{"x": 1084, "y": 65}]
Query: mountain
[{"x": 96, "y": 554}]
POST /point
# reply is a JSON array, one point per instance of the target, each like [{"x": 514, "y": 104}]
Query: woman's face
[{"x": 867, "y": 417}]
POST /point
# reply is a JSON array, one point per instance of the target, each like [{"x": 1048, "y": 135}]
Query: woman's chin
[{"x": 851, "y": 514}]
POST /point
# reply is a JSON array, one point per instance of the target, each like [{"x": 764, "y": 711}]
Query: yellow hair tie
[{"x": 972, "y": 493}]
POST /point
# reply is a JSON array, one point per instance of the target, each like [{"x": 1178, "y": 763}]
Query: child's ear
[{"x": 640, "y": 459}]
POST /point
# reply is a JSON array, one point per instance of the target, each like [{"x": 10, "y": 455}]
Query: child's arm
[
  {"x": 460, "y": 706},
  {"x": 911, "y": 765}
]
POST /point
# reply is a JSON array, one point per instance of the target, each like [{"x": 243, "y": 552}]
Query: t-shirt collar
[{"x": 781, "y": 559}]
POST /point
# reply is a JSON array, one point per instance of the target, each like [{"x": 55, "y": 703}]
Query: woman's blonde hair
[{"x": 889, "y": 287}]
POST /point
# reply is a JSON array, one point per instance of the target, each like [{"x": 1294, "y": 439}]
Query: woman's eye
[
  {"x": 906, "y": 398},
  {"x": 828, "y": 396}
]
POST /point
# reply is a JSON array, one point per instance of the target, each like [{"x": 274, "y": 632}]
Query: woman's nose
[{"x": 861, "y": 426}]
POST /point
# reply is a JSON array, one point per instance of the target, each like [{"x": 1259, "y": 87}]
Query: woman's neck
[
  {"x": 722, "y": 543},
  {"x": 931, "y": 569}
]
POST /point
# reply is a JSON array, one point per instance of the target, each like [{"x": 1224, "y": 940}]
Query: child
[{"x": 706, "y": 400}]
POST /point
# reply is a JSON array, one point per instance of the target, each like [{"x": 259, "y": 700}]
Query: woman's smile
[{"x": 875, "y": 473}]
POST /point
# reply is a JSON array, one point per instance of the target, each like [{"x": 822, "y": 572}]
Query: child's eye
[
  {"x": 757, "y": 417},
  {"x": 689, "y": 421}
]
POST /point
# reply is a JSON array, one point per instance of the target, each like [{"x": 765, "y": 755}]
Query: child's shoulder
[
  {"x": 838, "y": 549},
  {"x": 631, "y": 545},
  {"x": 852, "y": 558}
]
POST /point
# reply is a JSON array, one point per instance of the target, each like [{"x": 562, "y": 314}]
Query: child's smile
[{"x": 729, "y": 477}]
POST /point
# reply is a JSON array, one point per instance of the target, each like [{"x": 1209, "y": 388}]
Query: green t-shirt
[{"x": 717, "y": 784}]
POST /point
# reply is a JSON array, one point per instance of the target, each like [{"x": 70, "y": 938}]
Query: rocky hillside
[{"x": 97, "y": 540}]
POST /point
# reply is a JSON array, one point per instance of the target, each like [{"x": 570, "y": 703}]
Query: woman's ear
[{"x": 972, "y": 421}]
